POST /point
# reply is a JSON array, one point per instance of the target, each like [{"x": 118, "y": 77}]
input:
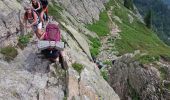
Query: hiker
[
  {"x": 44, "y": 13},
  {"x": 36, "y": 6},
  {"x": 34, "y": 21},
  {"x": 40, "y": 7},
  {"x": 98, "y": 63},
  {"x": 53, "y": 34}
]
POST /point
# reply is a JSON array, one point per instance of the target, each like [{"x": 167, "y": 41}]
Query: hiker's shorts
[{"x": 35, "y": 27}]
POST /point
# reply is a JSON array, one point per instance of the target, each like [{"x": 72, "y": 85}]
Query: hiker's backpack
[
  {"x": 51, "y": 38},
  {"x": 52, "y": 33},
  {"x": 32, "y": 13}
]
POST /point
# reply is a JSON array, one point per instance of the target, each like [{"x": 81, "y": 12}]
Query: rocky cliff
[
  {"x": 9, "y": 21},
  {"x": 132, "y": 80},
  {"x": 26, "y": 75},
  {"x": 29, "y": 76}
]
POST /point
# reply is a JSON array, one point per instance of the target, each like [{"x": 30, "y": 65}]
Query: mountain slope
[
  {"x": 140, "y": 75},
  {"x": 160, "y": 16},
  {"x": 143, "y": 74},
  {"x": 134, "y": 35},
  {"x": 26, "y": 74}
]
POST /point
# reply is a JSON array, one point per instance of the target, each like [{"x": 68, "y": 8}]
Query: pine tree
[
  {"x": 148, "y": 19},
  {"x": 128, "y": 4}
]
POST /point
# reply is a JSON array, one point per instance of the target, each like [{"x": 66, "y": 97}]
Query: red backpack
[{"x": 52, "y": 33}]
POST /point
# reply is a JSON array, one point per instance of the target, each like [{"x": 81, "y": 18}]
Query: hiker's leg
[
  {"x": 42, "y": 16},
  {"x": 60, "y": 58},
  {"x": 39, "y": 32},
  {"x": 46, "y": 12}
]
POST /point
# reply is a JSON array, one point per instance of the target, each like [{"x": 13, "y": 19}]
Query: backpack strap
[{"x": 32, "y": 14}]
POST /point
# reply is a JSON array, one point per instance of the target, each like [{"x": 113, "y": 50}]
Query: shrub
[
  {"x": 95, "y": 46},
  {"x": 24, "y": 40},
  {"x": 107, "y": 62},
  {"x": 78, "y": 67},
  {"x": 104, "y": 74},
  {"x": 9, "y": 53}
]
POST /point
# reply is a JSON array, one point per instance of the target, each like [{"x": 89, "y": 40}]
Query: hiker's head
[
  {"x": 28, "y": 8},
  {"x": 33, "y": 1}
]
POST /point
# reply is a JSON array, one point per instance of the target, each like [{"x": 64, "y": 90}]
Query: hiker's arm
[
  {"x": 24, "y": 21},
  {"x": 39, "y": 6}
]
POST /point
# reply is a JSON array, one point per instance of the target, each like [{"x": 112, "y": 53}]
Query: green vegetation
[
  {"x": 145, "y": 59},
  {"x": 95, "y": 46},
  {"x": 107, "y": 63},
  {"x": 105, "y": 75},
  {"x": 24, "y": 40},
  {"x": 160, "y": 16},
  {"x": 9, "y": 53},
  {"x": 54, "y": 10},
  {"x": 134, "y": 36},
  {"x": 65, "y": 98},
  {"x": 140, "y": 38},
  {"x": 101, "y": 27},
  {"x": 78, "y": 67}
]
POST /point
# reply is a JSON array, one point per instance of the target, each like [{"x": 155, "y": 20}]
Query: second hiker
[
  {"x": 32, "y": 18},
  {"x": 44, "y": 14},
  {"x": 41, "y": 8}
]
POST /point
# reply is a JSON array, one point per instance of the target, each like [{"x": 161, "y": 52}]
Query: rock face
[
  {"x": 85, "y": 11},
  {"x": 29, "y": 77},
  {"x": 79, "y": 39},
  {"x": 9, "y": 21},
  {"x": 131, "y": 80},
  {"x": 88, "y": 84}
]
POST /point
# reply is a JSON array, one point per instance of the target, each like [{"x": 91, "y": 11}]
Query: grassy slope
[
  {"x": 134, "y": 36},
  {"x": 137, "y": 36},
  {"x": 101, "y": 26}
]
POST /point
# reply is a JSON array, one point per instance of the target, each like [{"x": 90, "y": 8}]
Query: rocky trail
[
  {"x": 108, "y": 50},
  {"x": 29, "y": 77}
]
